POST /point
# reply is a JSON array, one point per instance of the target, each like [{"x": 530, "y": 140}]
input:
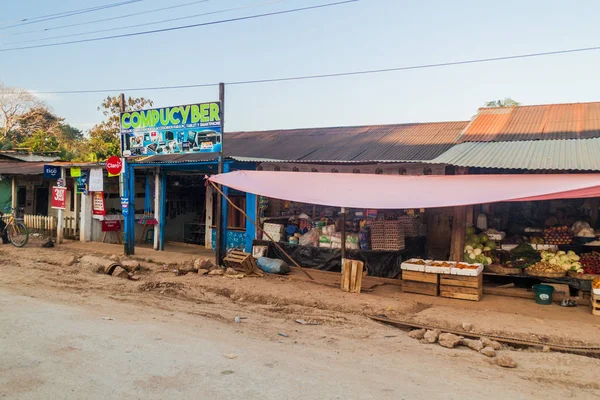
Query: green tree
[
  {"x": 507, "y": 102},
  {"x": 41, "y": 142},
  {"x": 104, "y": 138}
]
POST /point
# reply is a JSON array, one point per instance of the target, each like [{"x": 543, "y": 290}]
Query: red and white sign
[
  {"x": 98, "y": 203},
  {"x": 59, "y": 197},
  {"x": 111, "y": 226},
  {"x": 114, "y": 165}
]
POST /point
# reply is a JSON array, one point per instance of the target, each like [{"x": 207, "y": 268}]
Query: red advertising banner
[
  {"x": 98, "y": 203},
  {"x": 111, "y": 226},
  {"x": 59, "y": 197}
]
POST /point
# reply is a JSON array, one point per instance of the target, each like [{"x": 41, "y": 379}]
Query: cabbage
[
  {"x": 574, "y": 257},
  {"x": 477, "y": 252},
  {"x": 489, "y": 260},
  {"x": 473, "y": 238},
  {"x": 468, "y": 247},
  {"x": 483, "y": 238},
  {"x": 479, "y": 246},
  {"x": 491, "y": 245},
  {"x": 486, "y": 248}
]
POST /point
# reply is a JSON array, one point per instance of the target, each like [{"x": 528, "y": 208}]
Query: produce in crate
[
  {"x": 596, "y": 283},
  {"x": 567, "y": 261},
  {"x": 542, "y": 267},
  {"x": 477, "y": 248},
  {"x": 558, "y": 235},
  {"x": 521, "y": 256},
  {"x": 590, "y": 263},
  {"x": 466, "y": 266}
]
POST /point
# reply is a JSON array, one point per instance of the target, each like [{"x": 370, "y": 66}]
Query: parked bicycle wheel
[{"x": 18, "y": 234}]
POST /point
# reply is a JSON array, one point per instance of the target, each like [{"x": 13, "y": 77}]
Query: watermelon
[
  {"x": 491, "y": 245},
  {"x": 470, "y": 230},
  {"x": 473, "y": 238}
]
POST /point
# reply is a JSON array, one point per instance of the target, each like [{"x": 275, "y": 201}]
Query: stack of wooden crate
[
  {"x": 461, "y": 287},
  {"x": 387, "y": 235},
  {"x": 420, "y": 283},
  {"x": 595, "y": 299}
]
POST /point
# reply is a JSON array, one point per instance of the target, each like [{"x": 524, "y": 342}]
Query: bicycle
[{"x": 17, "y": 232}]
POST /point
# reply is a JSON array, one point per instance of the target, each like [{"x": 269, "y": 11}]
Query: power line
[
  {"x": 104, "y": 20},
  {"x": 155, "y": 22},
  {"x": 332, "y": 75},
  {"x": 175, "y": 28},
  {"x": 35, "y": 20}
]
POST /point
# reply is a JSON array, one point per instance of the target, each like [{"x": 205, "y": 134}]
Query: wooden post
[
  {"x": 14, "y": 193},
  {"x": 457, "y": 241},
  {"x": 470, "y": 218},
  {"x": 343, "y": 216}
]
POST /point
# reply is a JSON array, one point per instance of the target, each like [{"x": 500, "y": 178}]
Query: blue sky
[{"x": 369, "y": 34}]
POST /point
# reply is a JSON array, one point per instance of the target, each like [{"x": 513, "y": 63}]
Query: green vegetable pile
[{"x": 478, "y": 247}]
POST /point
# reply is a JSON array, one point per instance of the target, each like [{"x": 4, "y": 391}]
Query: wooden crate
[
  {"x": 420, "y": 277},
  {"x": 461, "y": 287},
  {"x": 420, "y": 283},
  {"x": 595, "y": 302},
  {"x": 352, "y": 272},
  {"x": 243, "y": 262}
]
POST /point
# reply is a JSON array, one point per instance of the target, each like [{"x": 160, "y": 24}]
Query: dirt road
[{"x": 170, "y": 337}]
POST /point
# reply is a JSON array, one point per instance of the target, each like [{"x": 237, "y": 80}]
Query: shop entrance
[
  {"x": 41, "y": 201},
  {"x": 185, "y": 216}
]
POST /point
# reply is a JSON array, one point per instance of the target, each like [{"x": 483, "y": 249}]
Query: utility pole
[
  {"x": 124, "y": 181},
  {"x": 219, "y": 222}
]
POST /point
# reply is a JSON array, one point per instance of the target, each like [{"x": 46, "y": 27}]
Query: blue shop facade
[{"x": 169, "y": 199}]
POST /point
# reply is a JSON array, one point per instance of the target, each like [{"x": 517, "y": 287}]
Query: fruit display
[
  {"x": 590, "y": 263},
  {"x": 522, "y": 256},
  {"x": 537, "y": 240},
  {"x": 596, "y": 283},
  {"x": 541, "y": 268},
  {"x": 476, "y": 247},
  {"x": 442, "y": 264},
  {"x": 567, "y": 261},
  {"x": 466, "y": 266},
  {"x": 558, "y": 235}
]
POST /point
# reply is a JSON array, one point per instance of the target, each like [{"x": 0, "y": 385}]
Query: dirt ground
[{"x": 273, "y": 303}]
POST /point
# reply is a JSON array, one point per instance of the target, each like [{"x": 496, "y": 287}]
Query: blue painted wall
[{"x": 235, "y": 240}]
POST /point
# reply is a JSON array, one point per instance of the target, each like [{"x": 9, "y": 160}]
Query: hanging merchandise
[
  {"x": 482, "y": 222},
  {"x": 96, "y": 183},
  {"x": 82, "y": 182},
  {"x": 75, "y": 172}
]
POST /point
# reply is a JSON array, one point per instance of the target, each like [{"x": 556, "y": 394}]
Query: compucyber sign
[{"x": 192, "y": 128}]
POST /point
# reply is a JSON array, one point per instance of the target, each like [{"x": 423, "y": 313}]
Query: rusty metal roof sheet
[
  {"x": 21, "y": 168},
  {"x": 565, "y": 155},
  {"x": 540, "y": 122},
  {"x": 379, "y": 143},
  {"x": 401, "y": 142}
]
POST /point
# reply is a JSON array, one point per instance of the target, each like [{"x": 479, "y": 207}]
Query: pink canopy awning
[{"x": 402, "y": 191}]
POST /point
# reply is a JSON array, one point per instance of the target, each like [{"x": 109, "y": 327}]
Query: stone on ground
[
  {"x": 431, "y": 336},
  {"x": 203, "y": 263},
  {"x": 218, "y": 271},
  {"x": 467, "y": 326},
  {"x": 114, "y": 257},
  {"x": 230, "y": 271},
  {"x": 488, "y": 352},
  {"x": 130, "y": 265},
  {"x": 546, "y": 349},
  {"x": 202, "y": 271},
  {"x": 417, "y": 333},
  {"x": 449, "y": 340},
  {"x": 473, "y": 344},
  {"x": 120, "y": 273},
  {"x": 491, "y": 343},
  {"x": 506, "y": 361}
]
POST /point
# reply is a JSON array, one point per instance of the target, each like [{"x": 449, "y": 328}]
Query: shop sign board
[
  {"x": 114, "y": 165},
  {"x": 191, "y": 128},
  {"x": 51, "y": 172},
  {"x": 98, "y": 203},
  {"x": 111, "y": 226},
  {"x": 59, "y": 195}
]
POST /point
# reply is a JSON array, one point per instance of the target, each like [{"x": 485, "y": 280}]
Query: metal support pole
[
  {"x": 219, "y": 217},
  {"x": 127, "y": 245}
]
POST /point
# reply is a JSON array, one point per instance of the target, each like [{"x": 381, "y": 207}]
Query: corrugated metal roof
[
  {"x": 540, "y": 122},
  {"x": 574, "y": 155},
  {"x": 21, "y": 168},
  {"x": 398, "y": 142},
  {"x": 380, "y": 143}
]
